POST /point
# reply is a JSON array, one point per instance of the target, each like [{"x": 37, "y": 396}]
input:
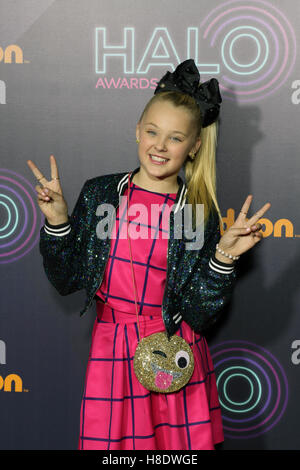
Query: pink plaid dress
[{"x": 117, "y": 412}]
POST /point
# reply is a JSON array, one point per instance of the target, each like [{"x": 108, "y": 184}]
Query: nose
[{"x": 160, "y": 144}]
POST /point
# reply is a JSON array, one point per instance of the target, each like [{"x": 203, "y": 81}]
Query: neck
[{"x": 161, "y": 186}]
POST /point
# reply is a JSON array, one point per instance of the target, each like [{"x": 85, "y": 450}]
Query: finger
[
  {"x": 245, "y": 207},
  {"x": 256, "y": 227},
  {"x": 257, "y": 237},
  {"x": 42, "y": 192},
  {"x": 49, "y": 193},
  {"x": 236, "y": 232},
  {"x": 54, "y": 169},
  {"x": 39, "y": 176},
  {"x": 259, "y": 214}
]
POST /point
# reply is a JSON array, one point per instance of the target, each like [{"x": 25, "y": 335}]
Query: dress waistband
[{"x": 107, "y": 314}]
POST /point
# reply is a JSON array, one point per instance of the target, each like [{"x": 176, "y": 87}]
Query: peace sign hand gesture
[
  {"x": 243, "y": 234},
  {"x": 50, "y": 197}
]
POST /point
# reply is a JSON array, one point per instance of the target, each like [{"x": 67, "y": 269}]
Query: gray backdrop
[{"x": 76, "y": 87}]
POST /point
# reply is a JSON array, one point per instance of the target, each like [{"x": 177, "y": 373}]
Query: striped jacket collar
[{"x": 181, "y": 193}]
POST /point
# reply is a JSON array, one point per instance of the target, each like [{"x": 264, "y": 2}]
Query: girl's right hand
[{"x": 52, "y": 203}]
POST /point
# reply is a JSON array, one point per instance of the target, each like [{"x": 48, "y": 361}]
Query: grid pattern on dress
[
  {"x": 149, "y": 254},
  {"x": 117, "y": 412}
]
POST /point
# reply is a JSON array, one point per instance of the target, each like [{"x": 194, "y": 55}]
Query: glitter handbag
[{"x": 160, "y": 364}]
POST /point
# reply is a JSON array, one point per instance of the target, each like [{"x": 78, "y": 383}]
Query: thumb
[{"x": 240, "y": 230}]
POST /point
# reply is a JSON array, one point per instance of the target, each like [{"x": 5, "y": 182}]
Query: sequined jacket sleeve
[
  {"x": 208, "y": 288},
  {"x": 61, "y": 247}
]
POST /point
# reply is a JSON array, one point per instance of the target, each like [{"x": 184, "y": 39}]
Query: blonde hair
[{"x": 200, "y": 173}]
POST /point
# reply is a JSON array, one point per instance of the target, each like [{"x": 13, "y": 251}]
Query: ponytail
[{"x": 200, "y": 174}]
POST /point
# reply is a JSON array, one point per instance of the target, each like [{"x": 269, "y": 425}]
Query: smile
[{"x": 158, "y": 160}]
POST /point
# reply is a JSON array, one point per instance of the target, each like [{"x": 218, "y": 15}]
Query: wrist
[
  {"x": 226, "y": 256},
  {"x": 57, "y": 222},
  {"x": 223, "y": 259}
]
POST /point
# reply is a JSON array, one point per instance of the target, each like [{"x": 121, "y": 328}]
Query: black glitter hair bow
[{"x": 185, "y": 79}]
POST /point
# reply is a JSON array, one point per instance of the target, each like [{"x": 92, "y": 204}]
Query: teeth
[{"x": 158, "y": 159}]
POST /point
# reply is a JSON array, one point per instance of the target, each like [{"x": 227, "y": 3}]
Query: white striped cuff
[
  {"x": 220, "y": 267},
  {"x": 57, "y": 230}
]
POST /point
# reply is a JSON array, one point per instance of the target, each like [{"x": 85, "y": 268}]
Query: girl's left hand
[{"x": 237, "y": 240}]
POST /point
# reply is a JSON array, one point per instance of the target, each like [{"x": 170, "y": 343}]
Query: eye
[
  {"x": 161, "y": 353},
  {"x": 150, "y": 132},
  {"x": 182, "y": 359},
  {"x": 176, "y": 138}
]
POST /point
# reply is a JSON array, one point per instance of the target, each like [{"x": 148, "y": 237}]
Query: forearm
[
  {"x": 57, "y": 247},
  {"x": 205, "y": 295},
  {"x": 210, "y": 284},
  {"x": 61, "y": 246}
]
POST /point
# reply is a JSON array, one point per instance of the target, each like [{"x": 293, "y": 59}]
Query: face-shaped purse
[{"x": 160, "y": 365}]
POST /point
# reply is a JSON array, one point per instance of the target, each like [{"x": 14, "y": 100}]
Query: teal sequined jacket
[{"x": 74, "y": 258}]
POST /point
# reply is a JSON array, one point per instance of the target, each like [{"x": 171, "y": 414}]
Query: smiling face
[
  {"x": 162, "y": 365},
  {"x": 165, "y": 131}
]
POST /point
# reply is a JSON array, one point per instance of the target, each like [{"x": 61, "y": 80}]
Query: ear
[{"x": 197, "y": 145}]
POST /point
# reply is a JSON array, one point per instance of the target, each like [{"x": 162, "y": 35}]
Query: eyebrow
[{"x": 176, "y": 132}]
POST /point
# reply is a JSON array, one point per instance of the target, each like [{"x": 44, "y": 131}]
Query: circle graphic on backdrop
[
  {"x": 20, "y": 222},
  {"x": 257, "y": 47},
  {"x": 252, "y": 387}
]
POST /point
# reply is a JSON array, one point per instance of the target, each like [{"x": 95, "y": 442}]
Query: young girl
[{"x": 152, "y": 283}]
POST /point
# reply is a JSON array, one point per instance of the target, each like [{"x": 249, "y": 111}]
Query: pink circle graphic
[
  {"x": 270, "y": 388},
  {"x": 280, "y": 37},
  {"x": 21, "y": 233}
]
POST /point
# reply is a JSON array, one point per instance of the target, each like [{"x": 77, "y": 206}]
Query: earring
[
  {"x": 192, "y": 155},
  {"x": 137, "y": 141}
]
